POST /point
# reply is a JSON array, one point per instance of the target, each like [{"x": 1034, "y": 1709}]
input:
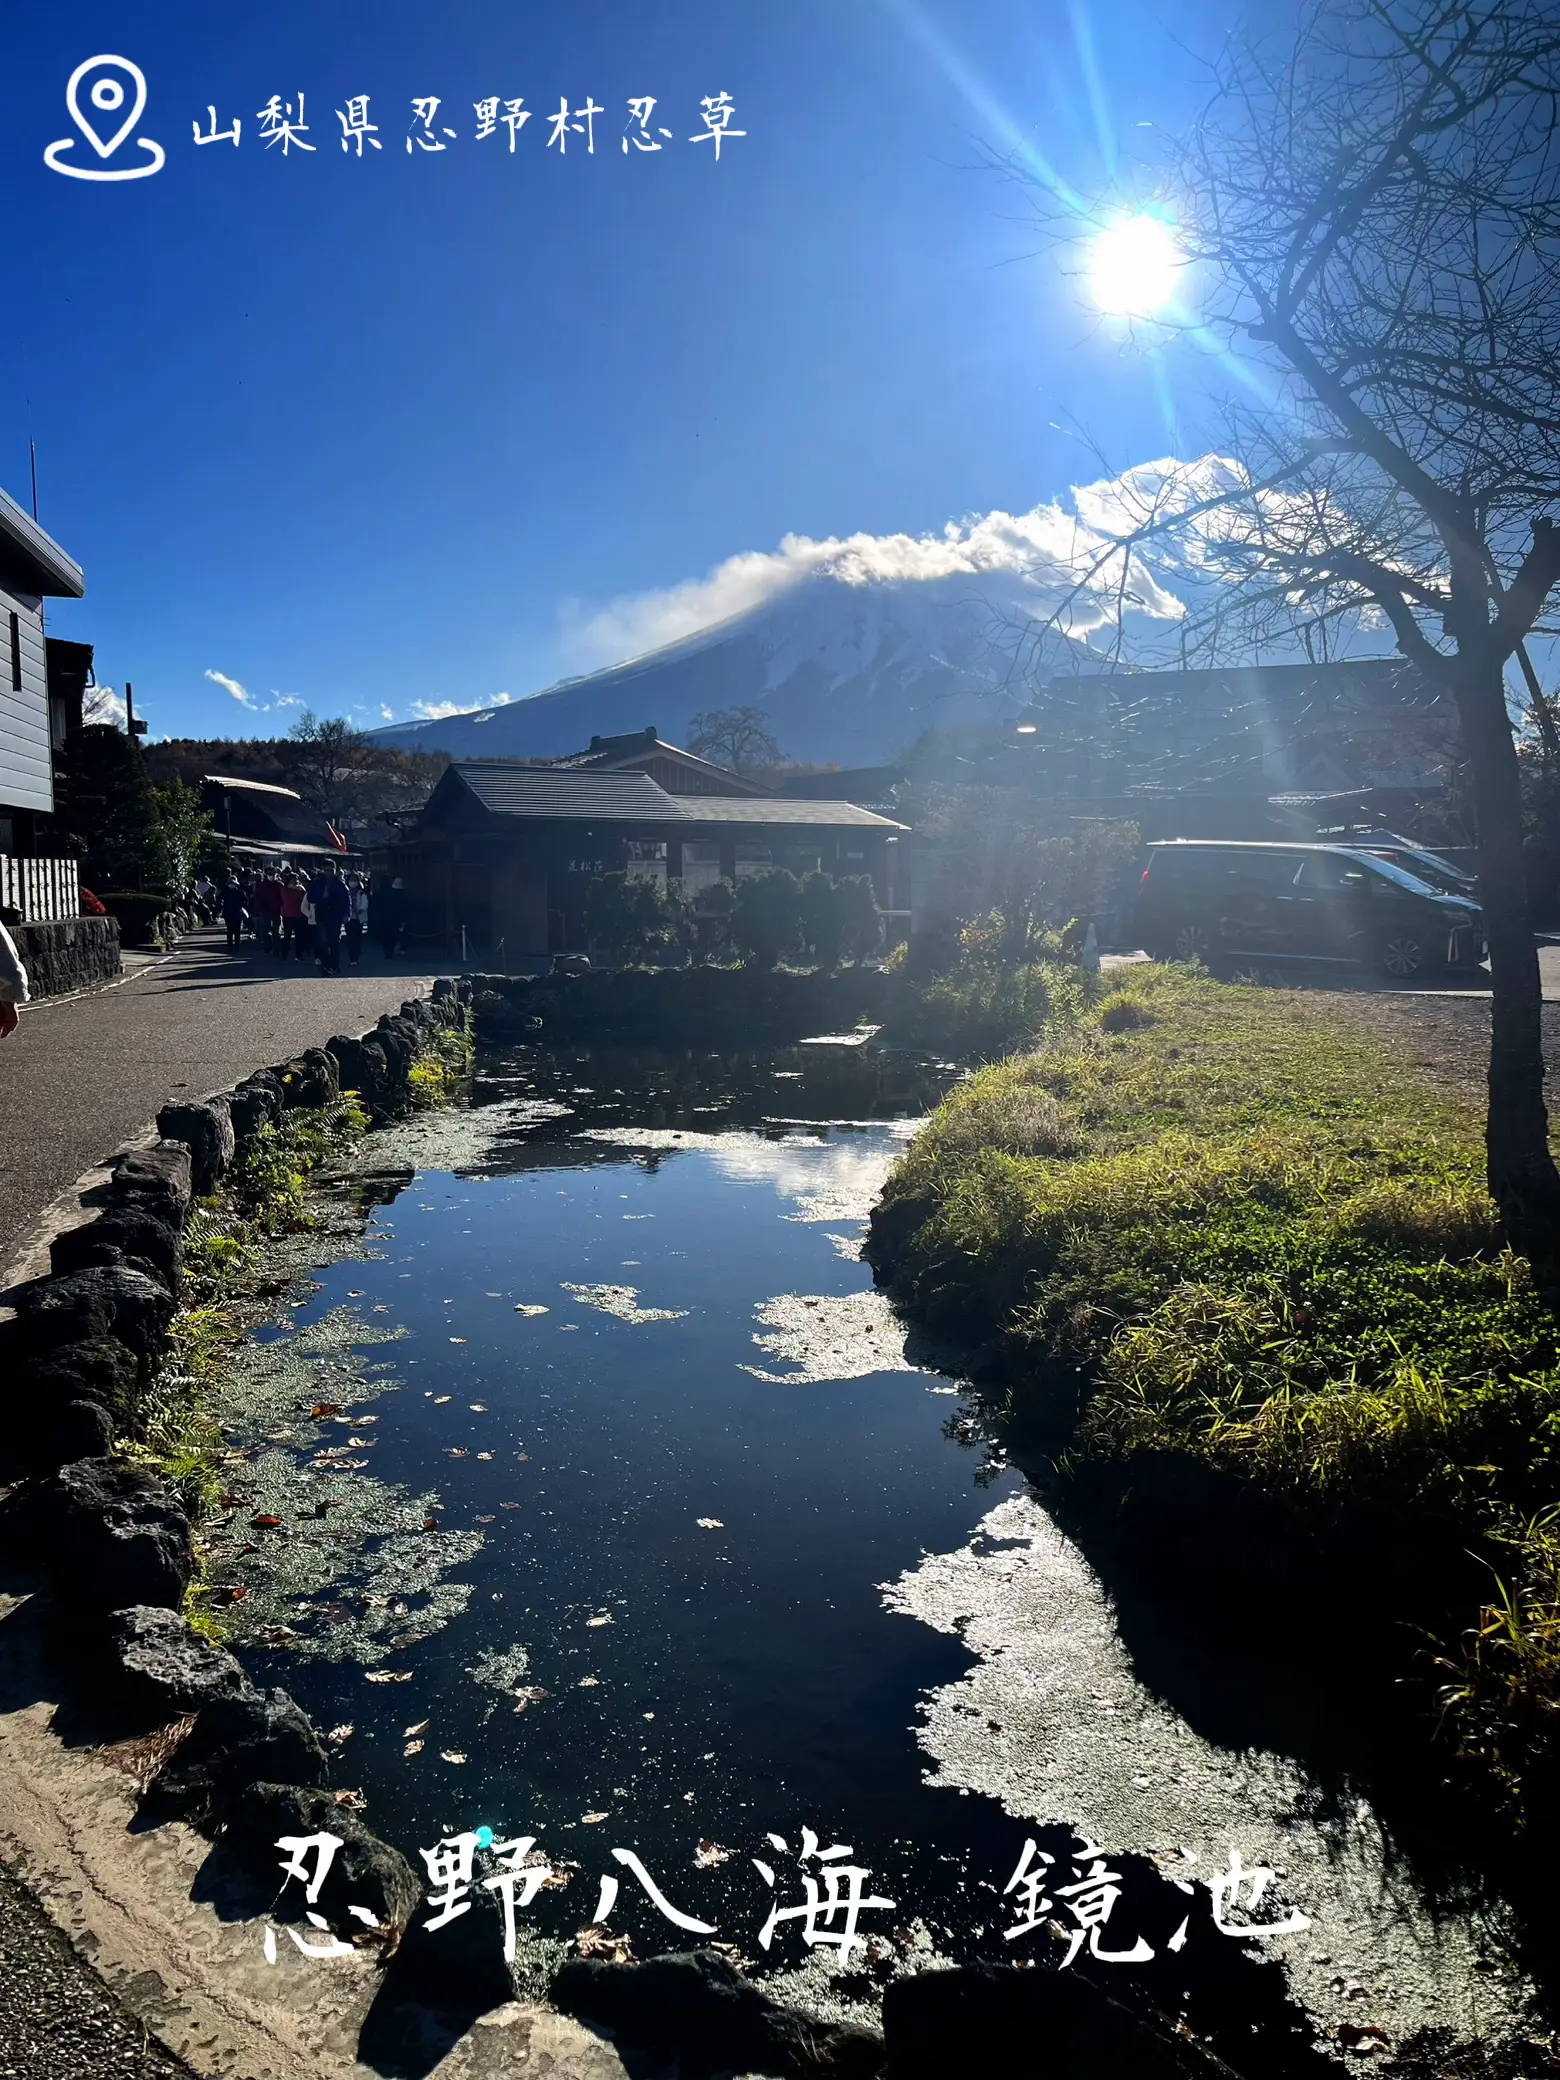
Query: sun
[{"x": 1135, "y": 267}]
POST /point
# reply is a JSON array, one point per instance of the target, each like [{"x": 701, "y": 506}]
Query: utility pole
[
  {"x": 133, "y": 727},
  {"x": 32, "y": 453}
]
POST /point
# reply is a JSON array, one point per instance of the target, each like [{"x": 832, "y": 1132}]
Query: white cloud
[
  {"x": 287, "y": 700},
  {"x": 438, "y": 711},
  {"x": 102, "y": 704},
  {"x": 240, "y": 693},
  {"x": 387, "y": 713},
  {"x": 1052, "y": 549}
]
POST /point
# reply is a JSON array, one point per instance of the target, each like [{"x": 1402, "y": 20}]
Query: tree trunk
[{"x": 1523, "y": 1180}]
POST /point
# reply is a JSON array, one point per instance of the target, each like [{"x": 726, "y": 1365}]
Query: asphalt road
[{"x": 81, "y": 1075}]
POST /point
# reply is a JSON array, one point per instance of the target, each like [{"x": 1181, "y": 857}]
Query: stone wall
[
  {"x": 76, "y": 954},
  {"x": 109, "y": 1542}
]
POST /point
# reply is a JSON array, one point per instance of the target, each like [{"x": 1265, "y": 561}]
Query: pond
[{"x": 610, "y": 1509}]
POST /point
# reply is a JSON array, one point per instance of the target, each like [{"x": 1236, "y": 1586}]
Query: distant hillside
[{"x": 849, "y": 674}]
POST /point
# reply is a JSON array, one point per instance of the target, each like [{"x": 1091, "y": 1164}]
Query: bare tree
[
  {"x": 735, "y": 737},
  {"x": 1371, "y": 218},
  {"x": 349, "y": 778}
]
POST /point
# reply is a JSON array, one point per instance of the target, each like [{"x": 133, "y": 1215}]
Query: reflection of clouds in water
[
  {"x": 1052, "y": 1721},
  {"x": 826, "y": 1180},
  {"x": 828, "y": 1336}
]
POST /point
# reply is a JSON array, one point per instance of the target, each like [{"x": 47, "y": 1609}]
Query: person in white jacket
[{"x": 13, "y": 983}]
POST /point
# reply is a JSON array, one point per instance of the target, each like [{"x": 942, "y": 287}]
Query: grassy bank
[{"x": 1223, "y": 1245}]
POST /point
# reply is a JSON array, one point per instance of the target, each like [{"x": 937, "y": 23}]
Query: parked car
[
  {"x": 1442, "y": 875},
  {"x": 1219, "y": 900}
]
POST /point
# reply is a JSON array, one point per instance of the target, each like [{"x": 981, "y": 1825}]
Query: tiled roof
[
  {"x": 728, "y": 808},
  {"x": 550, "y": 793},
  {"x": 554, "y": 794}
]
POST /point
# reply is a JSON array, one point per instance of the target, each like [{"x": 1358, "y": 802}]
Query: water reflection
[{"x": 723, "y": 1570}]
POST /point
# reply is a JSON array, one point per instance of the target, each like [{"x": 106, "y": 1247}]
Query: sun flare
[{"x": 1135, "y": 267}]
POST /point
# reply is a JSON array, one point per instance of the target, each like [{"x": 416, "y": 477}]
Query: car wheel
[
  {"x": 1404, "y": 955},
  {"x": 1194, "y": 942}
]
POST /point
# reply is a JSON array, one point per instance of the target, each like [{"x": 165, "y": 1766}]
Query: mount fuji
[{"x": 848, "y": 673}]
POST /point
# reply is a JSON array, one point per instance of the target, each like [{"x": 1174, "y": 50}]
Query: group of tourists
[{"x": 294, "y": 916}]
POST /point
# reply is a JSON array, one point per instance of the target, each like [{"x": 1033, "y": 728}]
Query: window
[
  {"x": 1267, "y": 871},
  {"x": 16, "y": 653},
  {"x": 1324, "y": 872}
]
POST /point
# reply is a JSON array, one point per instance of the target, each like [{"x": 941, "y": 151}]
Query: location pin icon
[{"x": 108, "y": 95}]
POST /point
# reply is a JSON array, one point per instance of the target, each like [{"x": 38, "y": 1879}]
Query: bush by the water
[
  {"x": 1267, "y": 1247},
  {"x": 980, "y": 1005}
]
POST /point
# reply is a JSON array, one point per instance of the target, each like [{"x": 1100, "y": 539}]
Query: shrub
[
  {"x": 766, "y": 916},
  {"x": 630, "y": 913}
]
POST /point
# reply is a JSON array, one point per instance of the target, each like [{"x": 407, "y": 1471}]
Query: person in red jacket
[
  {"x": 294, "y": 924},
  {"x": 268, "y": 910}
]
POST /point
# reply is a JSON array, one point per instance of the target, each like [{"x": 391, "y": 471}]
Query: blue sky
[{"x": 369, "y": 433}]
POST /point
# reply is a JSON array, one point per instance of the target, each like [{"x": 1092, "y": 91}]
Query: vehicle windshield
[
  {"x": 1428, "y": 866},
  {"x": 1400, "y": 875}
]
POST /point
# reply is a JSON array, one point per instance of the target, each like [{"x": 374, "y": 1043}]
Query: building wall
[{"x": 26, "y": 764}]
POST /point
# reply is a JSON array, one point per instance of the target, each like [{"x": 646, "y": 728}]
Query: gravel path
[
  {"x": 82, "y": 1075},
  {"x": 57, "y": 2019},
  {"x": 1445, "y": 1038}
]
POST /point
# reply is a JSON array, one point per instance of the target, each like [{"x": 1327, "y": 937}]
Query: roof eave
[{"x": 58, "y": 576}]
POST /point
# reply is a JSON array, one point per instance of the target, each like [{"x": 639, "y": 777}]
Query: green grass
[{"x": 1267, "y": 1248}]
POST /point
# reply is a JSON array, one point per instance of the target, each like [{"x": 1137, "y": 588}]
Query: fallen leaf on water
[
  {"x": 455, "y": 1339},
  {"x": 410, "y": 1733},
  {"x": 525, "y": 1698},
  {"x": 388, "y": 1675},
  {"x": 322, "y": 1409},
  {"x": 344, "y": 1732},
  {"x": 478, "y": 1408},
  {"x": 709, "y": 1523},
  {"x": 355, "y": 1293},
  {"x": 588, "y": 1683},
  {"x": 485, "y": 1455},
  {"x": 509, "y": 1505},
  {"x": 353, "y": 1800},
  {"x": 484, "y": 1520},
  {"x": 595, "y": 1942},
  {"x": 440, "y": 1399},
  {"x": 278, "y": 1635},
  {"x": 708, "y": 1854},
  {"x": 451, "y": 1755},
  {"x": 363, "y": 1422},
  {"x": 232, "y": 1502},
  {"x": 593, "y": 1819},
  {"x": 522, "y": 1308},
  {"x": 522, "y": 1456},
  {"x": 601, "y": 1618},
  {"x": 235, "y": 1595},
  {"x": 264, "y": 1523},
  {"x": 430, "y": 1523},
  {"x": 455, "y": 1451}
]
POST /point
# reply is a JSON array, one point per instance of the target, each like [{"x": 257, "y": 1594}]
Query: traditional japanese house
[{"x": 505, "y": 850}]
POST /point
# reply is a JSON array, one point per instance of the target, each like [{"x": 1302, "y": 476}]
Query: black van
[{"x": 1217, "y": 900}]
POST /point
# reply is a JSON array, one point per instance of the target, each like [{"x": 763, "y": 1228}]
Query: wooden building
[
  {"x": 32, "y": 569},
  {"x": 505, "y": 850}
]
